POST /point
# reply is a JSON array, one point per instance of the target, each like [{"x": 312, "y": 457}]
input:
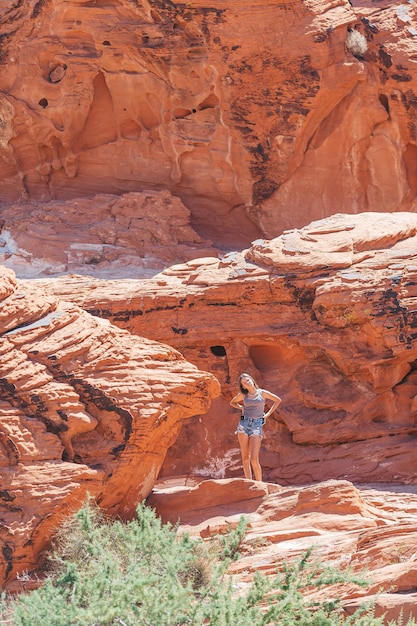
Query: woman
[{"x": 251, "y": 401}]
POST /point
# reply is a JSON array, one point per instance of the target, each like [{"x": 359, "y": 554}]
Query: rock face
[
  {"x": 84, "y": 407},
  {"x": 259, "y": 116},
  {"x": 324, "y": 316},
  {"x": 133, "y": 234},
  {"x": 370, "y": 529},
  {"x": 137, "y": 136}
]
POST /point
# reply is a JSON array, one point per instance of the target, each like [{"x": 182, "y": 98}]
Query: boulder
[{"x": 85, "y": 408}]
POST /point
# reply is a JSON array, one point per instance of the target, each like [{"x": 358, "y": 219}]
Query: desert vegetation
[{"x": 103, "y": 572}]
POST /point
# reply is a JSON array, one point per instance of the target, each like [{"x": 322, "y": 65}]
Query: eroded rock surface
[
  {"x": 259, "y": 116},
  {"x": 324, "y": 316},
  {"x": 371, "y": 529},
  {"x": 85, "y": 407},
  {"x": 133, "y": 234}
]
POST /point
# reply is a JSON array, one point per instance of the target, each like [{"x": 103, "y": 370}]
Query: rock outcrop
[
  {"x": 370, "y": 529},
  {"x": 85, "y": 407},
  {"x": 324, "y": 316},
  {"x": 133, "y": 234},
  {"x": 259, "y": 116}
]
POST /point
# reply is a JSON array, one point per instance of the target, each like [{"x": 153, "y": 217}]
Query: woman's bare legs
[
  {"x": 254, "y": 448},
  {"x": 244, "y": 450},
  {"x": 249, "y": 448}
]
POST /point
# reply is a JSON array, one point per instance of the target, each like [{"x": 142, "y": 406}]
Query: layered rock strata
[
  {"x": 324, "y": 316},
  {"x": 85, "y": 407},
  {"x": 371, "y": 530}
]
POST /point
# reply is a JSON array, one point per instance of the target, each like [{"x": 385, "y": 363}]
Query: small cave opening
[
  {"x": 180, "y": 114},
  {"x": 384, "y": 101},
  {"x": 43, "y": 102},
  {"x": 379, "y": 419},
  {"x": 210, "y": 102},
  {"x": 219, "y": 351},
  {"x": 266, "y": 358}
]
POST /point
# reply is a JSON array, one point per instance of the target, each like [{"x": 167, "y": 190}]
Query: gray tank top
[{"x": 254, "y": 408}]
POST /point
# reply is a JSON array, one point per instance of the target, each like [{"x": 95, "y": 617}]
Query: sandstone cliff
[
  {"x": 259, "y": 116},
  {"x": 137, "y": 136},
  {"x": 324, "y": 316}
]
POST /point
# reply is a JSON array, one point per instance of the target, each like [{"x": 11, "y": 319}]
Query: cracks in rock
[
  {"x": 32, "y": 407},
  {"x": 9, "y": 447},
  {"x": 43, "y": 321},
  {"x": 304, "y": 296},
  {"x": 41, "y": 403},
  {"x": 38, "y": 8},
  {"x": 7, "y": 552},
  {"x": 93, "y": 398},
  {"x": 385, "y": 103}
]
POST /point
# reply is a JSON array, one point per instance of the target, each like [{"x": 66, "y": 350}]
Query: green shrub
[
  {"x": 231, "y": 542},
  {"x": 142, "y": 573}
]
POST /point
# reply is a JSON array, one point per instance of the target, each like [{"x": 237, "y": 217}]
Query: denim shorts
[{"x": 250, "y": 426}]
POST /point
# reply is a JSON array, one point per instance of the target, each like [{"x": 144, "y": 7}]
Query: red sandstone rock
[
  {"x": 259, "y": 116},
  {"x": 392, "y": 607},
  {"x": 371, "y": 530},
  {"x": 75, "y": 388},
  {"x": 135, "y": 234},
  {"x": 324, "y": 316},
  {"x": 186, "y": 99}
]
